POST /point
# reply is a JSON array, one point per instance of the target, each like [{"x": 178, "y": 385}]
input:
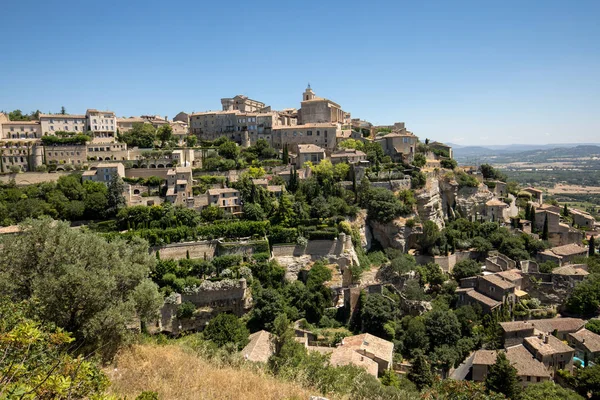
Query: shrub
[{"x": 186, "y": 310}]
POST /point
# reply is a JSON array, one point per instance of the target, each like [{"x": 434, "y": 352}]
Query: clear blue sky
[{"x": 458, "y": 71}]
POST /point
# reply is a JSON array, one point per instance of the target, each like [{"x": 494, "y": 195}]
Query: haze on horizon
[{"x": 463, "y": 72}]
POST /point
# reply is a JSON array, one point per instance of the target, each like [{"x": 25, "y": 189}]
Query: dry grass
[{"x": 175, "y": 373}]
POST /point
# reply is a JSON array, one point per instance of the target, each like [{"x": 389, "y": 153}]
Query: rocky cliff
[{"x": 394, "y": 234}]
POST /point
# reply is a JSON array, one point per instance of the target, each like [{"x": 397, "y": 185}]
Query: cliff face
[
  {"x": 394, "y": 234},
  {"x": 443, "y": 198}
]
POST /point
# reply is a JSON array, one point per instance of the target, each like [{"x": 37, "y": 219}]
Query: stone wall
[
  {"x": 200, "y": 250},
  {"x": 317, "y": 249},
  {"x": 30, "y": 178},
  {"x": 448, "y": 262},
  {"x": 231, "y": 298}
]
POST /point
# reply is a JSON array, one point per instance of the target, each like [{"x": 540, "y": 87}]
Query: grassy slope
[{"x": 175, "y": 373}]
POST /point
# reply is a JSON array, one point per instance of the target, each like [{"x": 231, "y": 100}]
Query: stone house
[
  {"x": 552, "y": 352},
  {"x": 104, "y": 172},
  {"x": 562, "y": 255},
  {"x": 179, "y": 186},
  {"x": 582, "y": 219},
  {"x": 499, "y": 262},
  {"x": 496, "y": 211},
  {"x": 314, "y": 109},
  {"x": 561, "y": 327},
  {"x": 399, "y": 145},
  {"x": 309, "y": 152},
  {"x": 496, "y": 288},
  {"x": 586, "y": 344},
  {"x": 529, "y": 369},
  {"x": 365, "y": 350},
  {"x": 489, "y": 291},
  {"x": 107, "y": 151},
  {"x": 536, "y": 194},
  {"x": 515, "y": 332},
  {"x": 227, "y": 199},
  {"x": 102, "y": 124},
  {"x": 350, "y": 156},
  {"x": 443, "y": 147},
  {"x": 513, "y": 276},
  {"x": 260, "y": 347},
  {"x": 469, "y": 296},
  {"x": 74, "y": 154}
]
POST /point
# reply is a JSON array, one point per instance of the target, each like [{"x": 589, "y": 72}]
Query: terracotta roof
[
  {"x": 587, "y": 339},
  {"x": 260, "y": 347},
  {"x": 21, "y": 123},
  {"x": 570, "y": 270},
  {"x": 346, "y": 356},
  {"x": 216, "y": 192},
  {"x": 560, "y": 324},
  {"x": 496, "y": 202},
  {"x": 309, "y": 148},
  {"x": 10, "y": 229},
  {"x": 321, "y": 349},
  {"x": 525, "y": 363},
  {"x": 485, "y": 357},
  {"x": 481, "y": 298},
  {"x": 511, "y": 275},
  {"x": 439, "y": 144},
  {"x": 275, "y": 188},
  {"x": 553, "y": 346},
  {"x": 61, "y": 116},
  {"x": 260, "y": 181},
  {"x": 516, "y": 326},
  {"x": 497, "y": 281},
  {"x": 348, "y": 153},
  {"x": 380, "y": 348},
  {"x": 568, "y": 250},
  {"x": 304, "y": 126}
]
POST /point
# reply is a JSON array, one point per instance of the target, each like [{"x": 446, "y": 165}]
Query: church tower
[{"x": 308, "y": 94}]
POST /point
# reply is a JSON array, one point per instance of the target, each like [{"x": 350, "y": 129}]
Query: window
[
  {"x": 308, "y": 133},
  {"x": 528, "y": 379},
  {"x": 51, "y": 128},
  {"x": 12, "y": 129},
  {"x": 318, "y": 133},
  {"x": 538, "y": 379},
  {"x": 22, "y": 129},
  {"x": 66, "y": 128}
]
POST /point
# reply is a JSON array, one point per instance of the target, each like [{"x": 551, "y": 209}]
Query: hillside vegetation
[{"x": 177, "y": 373}]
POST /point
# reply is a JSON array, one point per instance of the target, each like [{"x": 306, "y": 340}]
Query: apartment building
[
  {"x": 103, "y": 124},
  {"x": 52, "y": 123},
  {"x": 74, "y": 154},
  {"x": 309, "y": 153}
]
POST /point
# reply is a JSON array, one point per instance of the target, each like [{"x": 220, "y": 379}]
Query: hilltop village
[{"x": 318, "y": 246}]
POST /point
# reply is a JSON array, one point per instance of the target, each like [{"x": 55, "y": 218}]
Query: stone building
[
  {"x": 104, "y": 172},
  {"x": 586, "y": 344},
  {"x": 365, "y": 351},
  {"x": 489, "y": 291},
  {"x": 182, "y": 117},
  {"x": 529, "y": 369},
  {"x": 318, "y": 134},
  {"x": 400, "y": 145},
  {"x": 314, "y": 109},
  {"x": 309, "y": 152},
  {"x": 24, "y": 154},
  {"x": 537, "y": 195},
  {"x": 242, "y": 103},
  {"x": 350, "y": 156},
  {"x": 107, "y": 151},
  {"x": 550, "y": 351},
  {"x": 103, "y": 124},
  {"x": 582, "y": 219},
  {"x": 179, "y": 186},
  {"x": 61, "y": 154},
  {"x": 19, "y": 130},
  {"x": 563, "y": 255},
  {"x": 443, "y": 147},
  {"x": 52, "y": 123},
  {"x": 227, "y": 199},
  {"x": 126, "y": 124}
]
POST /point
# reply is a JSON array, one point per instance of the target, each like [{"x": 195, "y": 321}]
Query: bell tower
[{"x": 308, "y": 94}]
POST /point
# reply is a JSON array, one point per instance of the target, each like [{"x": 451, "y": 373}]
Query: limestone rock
[{"x": 394, "y": 234}]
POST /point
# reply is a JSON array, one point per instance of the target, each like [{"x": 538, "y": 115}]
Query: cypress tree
[
  {"x": 157, "y": 254},
  {"x": 592, "y": 248},
  {"x": 566, "y": 211},
  {"x": 420, "y": 372},
  {"x": 532, "y": 218},
  {"x": 528, "y": 212},
  {"x": 545, "y": 230},
  {"x": 502, "y": 378},
  {"x": 286, "y": 157},
  {"x": 187, "y": 254}
]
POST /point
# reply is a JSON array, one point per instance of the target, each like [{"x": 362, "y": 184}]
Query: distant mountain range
[
  {"x": 513, "y": 149},
  {"x": 526, "y": 153}
]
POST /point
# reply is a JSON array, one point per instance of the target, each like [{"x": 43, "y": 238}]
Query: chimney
[
  {"x": 541, "y": 336},
  {"x": 166, "y": 118},
  {"x": 582, "y": 341},
  {"x": 546, "y": 339}
]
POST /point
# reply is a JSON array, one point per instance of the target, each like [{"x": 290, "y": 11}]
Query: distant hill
[{"x": 524, "y": 153}]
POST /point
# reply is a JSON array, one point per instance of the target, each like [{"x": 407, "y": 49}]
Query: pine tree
[
  {"x": 545, "y": 230},
  {"x": 420, "y": 372},
  {"x": 502, "y": 378},
  {"x": 592, "y": 248}
]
